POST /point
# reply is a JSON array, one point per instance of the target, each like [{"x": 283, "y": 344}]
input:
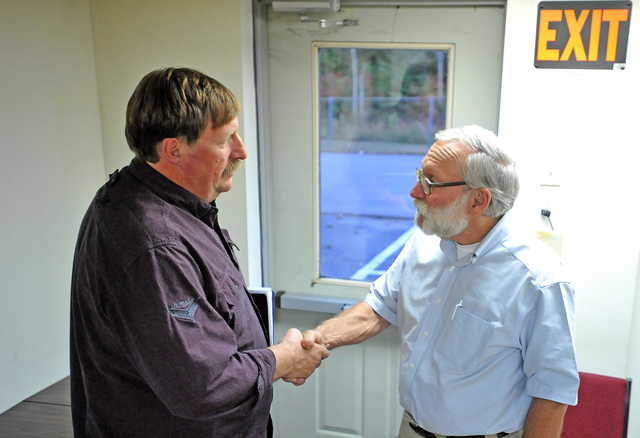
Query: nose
[
  {"x": 239, "y": 149},
  {"x": 417, "y": 192}
]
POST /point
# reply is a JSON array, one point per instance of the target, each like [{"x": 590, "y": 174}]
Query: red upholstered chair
[{"x": 602, "y": 410}]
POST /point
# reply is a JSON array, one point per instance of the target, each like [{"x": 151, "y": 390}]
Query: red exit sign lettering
[{"x": 586, "y": 35}]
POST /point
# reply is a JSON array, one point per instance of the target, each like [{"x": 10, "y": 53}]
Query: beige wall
[
  {"x": 133, "y": 38},
  {"x": 50, "y": 167},
  {"x": 69, "y": 68},
  {"x": 72, "y": 67}
]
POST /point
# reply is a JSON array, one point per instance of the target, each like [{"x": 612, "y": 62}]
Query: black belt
[{"x": 426, "y": 434}]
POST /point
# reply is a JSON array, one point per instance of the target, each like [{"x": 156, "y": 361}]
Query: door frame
[{"x": 262, "y": 99}]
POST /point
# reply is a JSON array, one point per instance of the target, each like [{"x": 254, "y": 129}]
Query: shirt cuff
[
  {"x": 378, "y": 306},
  {"x": 266, "y": 361},
  {"x": 558, "y": 388}
]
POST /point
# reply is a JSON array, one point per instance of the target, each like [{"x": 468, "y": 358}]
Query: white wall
[
  {"x": 215, "y": 37},
  {"x": 50, "y": 167},
  {"x": 580, "y": 125}
]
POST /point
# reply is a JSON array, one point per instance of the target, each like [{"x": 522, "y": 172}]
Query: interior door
[{"x": 354, "y": 393}]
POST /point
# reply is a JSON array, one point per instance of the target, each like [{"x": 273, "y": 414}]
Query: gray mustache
[{"x": 231, "y": 167}]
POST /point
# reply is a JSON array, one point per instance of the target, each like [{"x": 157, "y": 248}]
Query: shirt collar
[
  {"x": 170, "y": 191},
  {"x": 494, "y": 237}
]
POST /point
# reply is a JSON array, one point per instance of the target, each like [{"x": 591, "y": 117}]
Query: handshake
[{"x": 298, "y": 355}]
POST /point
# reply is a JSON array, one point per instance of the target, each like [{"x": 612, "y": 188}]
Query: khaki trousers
[{"x": 407, "y": 432}]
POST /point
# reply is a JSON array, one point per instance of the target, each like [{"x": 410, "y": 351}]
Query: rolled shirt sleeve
[
  {"x": 548, "y": 346},
  {"x": 193, "y": 361}
]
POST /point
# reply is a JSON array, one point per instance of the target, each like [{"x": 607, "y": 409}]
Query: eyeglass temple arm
[{"x": 447, "y": 184}]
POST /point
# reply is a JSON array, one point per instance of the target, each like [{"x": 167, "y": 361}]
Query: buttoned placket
[
  {"x": 212, "y": 221},
  {"x": 431, "y": 323}
]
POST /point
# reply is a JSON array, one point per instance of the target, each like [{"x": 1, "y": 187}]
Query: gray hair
[{"x": 488, "y": 166}]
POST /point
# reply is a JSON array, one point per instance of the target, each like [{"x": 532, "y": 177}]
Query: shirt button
[
  {"x": 451, "y": 268},
  {"x": 412, "y": 365},
  {"x": 438, "y": 300},
  {"x": 425, "y": 333}
]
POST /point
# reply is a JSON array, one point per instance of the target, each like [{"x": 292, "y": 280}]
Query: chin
[
  {"x": 420, "y": 223},
  {"x": 224, "y": 187}
]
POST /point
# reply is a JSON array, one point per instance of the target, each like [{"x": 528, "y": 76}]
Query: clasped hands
[{"x": 298, "y": 355}]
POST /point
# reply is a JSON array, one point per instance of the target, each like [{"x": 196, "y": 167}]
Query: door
[{"x": 342, "y": 152}]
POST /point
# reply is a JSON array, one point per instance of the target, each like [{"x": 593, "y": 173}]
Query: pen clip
[{"x": 453, "y": 315}]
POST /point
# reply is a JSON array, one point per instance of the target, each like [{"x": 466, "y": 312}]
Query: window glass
[{"x": 378, "y": 110}]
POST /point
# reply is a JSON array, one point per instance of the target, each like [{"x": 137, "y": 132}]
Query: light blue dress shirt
[{"x": 481, "y": 335}]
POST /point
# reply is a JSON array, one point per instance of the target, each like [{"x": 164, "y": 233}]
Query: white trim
[
  {"x": 261, "y": 53},
  {"x": 448, "y": 3},
  {"x": 315, "y": 166},
  {"x": 388, "y": 3},
  {"x": 249, "y": 130}
]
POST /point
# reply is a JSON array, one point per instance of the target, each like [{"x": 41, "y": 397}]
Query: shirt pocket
[
  {"x": 464, "y": 342},
  {"x": 231, "y": 299}
]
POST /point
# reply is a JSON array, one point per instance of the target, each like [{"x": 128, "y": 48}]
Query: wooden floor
[{"x": 45, "y": 415}]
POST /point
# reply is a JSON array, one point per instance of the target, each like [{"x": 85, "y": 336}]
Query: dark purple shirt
[{"x": 165, "y": 341}]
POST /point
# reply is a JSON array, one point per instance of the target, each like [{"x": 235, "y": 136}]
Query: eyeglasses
[{"x": 427, "y": 184}]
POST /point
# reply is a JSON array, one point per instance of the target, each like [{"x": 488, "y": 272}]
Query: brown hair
[{"x": 172, "y": 103}]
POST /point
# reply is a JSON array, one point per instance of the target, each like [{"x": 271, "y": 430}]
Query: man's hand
[
  {"x": 352, "y": 326},
  {"x": 293, "y": 362},
  {"x": 312, "y": 337}
]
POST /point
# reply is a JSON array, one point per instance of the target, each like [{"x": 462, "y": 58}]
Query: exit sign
[{"x": 590, "y": 35}]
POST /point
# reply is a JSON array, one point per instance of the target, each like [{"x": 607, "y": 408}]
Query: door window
[{"x": 377, "y": 110}]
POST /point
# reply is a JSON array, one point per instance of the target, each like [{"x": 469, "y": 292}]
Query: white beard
[{"x": 444, "y": 222}]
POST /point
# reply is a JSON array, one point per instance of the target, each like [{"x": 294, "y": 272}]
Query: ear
[
  {"x": 480, "y": 200},
  {"x": 170, "y": 149}
]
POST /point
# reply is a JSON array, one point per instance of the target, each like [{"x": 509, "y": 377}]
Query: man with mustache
[
  {"x": 165, "y": 339},
  {"x": 485, "y": 313}
]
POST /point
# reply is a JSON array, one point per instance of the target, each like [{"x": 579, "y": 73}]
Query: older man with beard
[
  {"x": 484, "y": 312},
  {"x": 165, "y": 338}
]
